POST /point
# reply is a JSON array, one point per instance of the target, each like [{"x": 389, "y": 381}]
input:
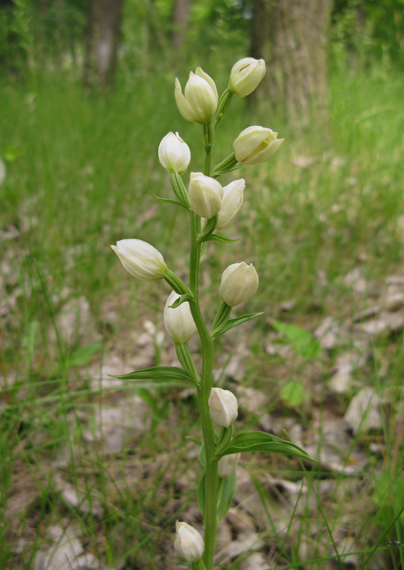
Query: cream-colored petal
[
  {"x": 183, "y": 106},
  {"x": 199, "y": 71},
  {"x": 201, "y": 98},
  {"x": 266, "y": 153},
  {"x": 249, "y": 140}
]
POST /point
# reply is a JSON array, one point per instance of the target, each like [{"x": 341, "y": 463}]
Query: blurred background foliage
[{"x": 36, "y": 34}]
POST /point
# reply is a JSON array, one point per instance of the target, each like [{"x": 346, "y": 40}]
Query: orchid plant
[{"x": 206, "y": 198}]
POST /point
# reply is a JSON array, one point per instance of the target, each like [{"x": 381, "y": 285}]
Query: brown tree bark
[
  {"x": 102, "y": 38},
  {"x": 180, "y": 21},
  {"x": 291, "y": 35}
]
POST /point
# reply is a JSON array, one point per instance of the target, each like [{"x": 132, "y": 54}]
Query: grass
[{"x": 83, "y": 165}]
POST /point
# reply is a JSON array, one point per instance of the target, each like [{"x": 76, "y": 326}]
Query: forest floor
[{"x": 94, "y": 471}]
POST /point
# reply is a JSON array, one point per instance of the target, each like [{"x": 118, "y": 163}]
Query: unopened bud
[
  {"x": 205, "y": 195},
  {"x": 199, "y": 101},
  {"x": 174, "y": 153},
  {"x": 233, "y": 195},
  {"x": 140, "y": 259},
  {"x": 239, "y": 283},
  {"x": 246, "y": 75},
  {"x": 223, "y": 407},
  {"x": 227, "y": 465},
  {"x": 188, "y": 542},
  {"x": 178, "y": 322},
  {"x": 255, "y": 145}
]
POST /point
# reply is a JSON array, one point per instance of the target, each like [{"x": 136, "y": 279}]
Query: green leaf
[
  {"x": 82, "y": 355},
  {"x": 170, "y": 201},
  {"x": 388, "y": 496},
  {"x": 261, "y": 441},
  {"x": 146, "y": 384},
  {"x": 219, "y": 237},
  {"x": 197, "y": 441},
  {"x": 179, "y": 189},
  {"x": 237, "y": 167},
  {"x": 235, "y": 323},
  {"x": 388, "y": 487},
  {"x": 302, "y": 342},
  {"x": 229, "y": 488},
  {"x": 162, "y": 373},
  {"x": 204, "y": 248},
  {"x": 31, "y": 337},
  {"x": 11, "y": 153},
  {"x": 293, "y": 393},
  {"x": 201, "y": 495},
  {"x": 224, "y": 438},
  {"x": 201, "y": 455},
  {"x": 182, "y": 299},
  {"x": 227, "y": 165},
  {"x": 208, "y": 228}
]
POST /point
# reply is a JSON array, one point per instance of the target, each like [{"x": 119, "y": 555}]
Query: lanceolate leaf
[
  {"x": 235, "y": 322},
  {"x": 237, "y": 167},
  {"x": 229, "y": 488},
  {"x": 162, "y": 373},
  {"x": 170, "y": 201},
  {"x": 219, "y": 237},
  {"x": 261, "y": 441}
]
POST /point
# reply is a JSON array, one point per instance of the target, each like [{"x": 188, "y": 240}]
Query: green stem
[
  {"x": 203, "y": 399},
  {"x": 204, "y": 389},
  {"x": 195, "y": 255},
  {"x": 176, "y": 283},
  {"x": 198, "y": 565},
  {"x": 211, "y": 480},
  {"x": 208, "y": 142},
  {"x": 223, "y": 106}
]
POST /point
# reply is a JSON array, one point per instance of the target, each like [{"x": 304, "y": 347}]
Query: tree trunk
[
  {"x": 102, "y": 37},
  {"x": 180, "y": 21},
  {"x": 291, "y": 35}
]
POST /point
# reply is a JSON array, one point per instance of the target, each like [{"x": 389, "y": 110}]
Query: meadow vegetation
[{"x": 325, "y": 221}]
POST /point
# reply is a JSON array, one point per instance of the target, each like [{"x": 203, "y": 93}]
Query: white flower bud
[
  {"x": 205, "y": 195},
  {"x": 246, "y": 75},
  {"x": 141, "y": 259},
  {"x": 233, "y": 195},
  {"x": 255, "y": 145},
  {"x": 227, "y": 465},
  {"x": 188, "y": 542},
  {"x": 200, "y": 98},
  {"x": 239, "y": 283},
  {"x": 223, "y": 407},
  {"x": 174, "y": 153},
  {"x": 178, "y": 322}
]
